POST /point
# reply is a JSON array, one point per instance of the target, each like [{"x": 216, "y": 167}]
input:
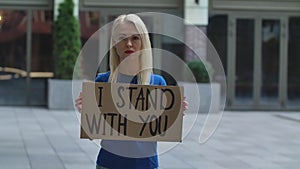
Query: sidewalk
[{"x": 38, "y": 138}]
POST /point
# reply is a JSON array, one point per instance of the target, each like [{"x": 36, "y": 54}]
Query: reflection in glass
[
  {"x": 244, "y": 59},
  {"x": 270, "y": 60},
  {"x": 42, "y": 59},
  {"x": 294, "y": 61},
  {"x": 12, "y": 57},
  {"x": 89, "y": 24},
  {"x": 217, "y": 34}
]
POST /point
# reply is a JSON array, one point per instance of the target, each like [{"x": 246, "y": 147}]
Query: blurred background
[{"x": 257, "y": 41}]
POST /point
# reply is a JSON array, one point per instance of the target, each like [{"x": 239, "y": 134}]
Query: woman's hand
[
  {"x": 185, "y": 104},
  {"x": 79, "y": 102}
]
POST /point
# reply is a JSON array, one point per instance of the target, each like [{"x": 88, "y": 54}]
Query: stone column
[
  {"x": 197, "y": 41},
  {"x": 196, "y": 17}
]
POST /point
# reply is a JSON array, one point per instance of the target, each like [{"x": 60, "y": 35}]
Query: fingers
[
  {"x": 78, "y": 102},
  {"x": 185, "y": 104}
]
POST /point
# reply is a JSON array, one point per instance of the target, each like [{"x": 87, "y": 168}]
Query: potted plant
[
  {"x": 201, "y": 70},
  {"x": 198, "y": 77},
  {"x": 66, "y": 48}
]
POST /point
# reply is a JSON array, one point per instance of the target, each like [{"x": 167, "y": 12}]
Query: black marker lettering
[
  {"x": 145, "y": 123},
  {"x": 94, "y": 124},
  {"x": 104, "y": 122},
  {"x": 124, "y": 124},
  {"x": 153, "y": 132},
  {"x": 153, "y": 101},
  {"x": 140, "y": 98},
  {"x": 112, "y": 115},
  {"x": 100, "y": 97},
  {"x": 161, "y": 99},
  {"x": 130, "y": 94},
  {"x": 166, "y": 125},
  {"x": 121, "y": 89}
]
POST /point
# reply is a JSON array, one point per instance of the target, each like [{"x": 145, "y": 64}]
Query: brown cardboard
[{"x": 108, "y": 113}]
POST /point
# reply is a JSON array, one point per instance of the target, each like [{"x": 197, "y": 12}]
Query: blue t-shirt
[{"x": 128, "y": 154}]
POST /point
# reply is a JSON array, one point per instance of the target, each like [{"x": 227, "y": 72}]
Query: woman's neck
[
  {"x": 131, "y": 70},
  {"x": 129, "y": 67}
]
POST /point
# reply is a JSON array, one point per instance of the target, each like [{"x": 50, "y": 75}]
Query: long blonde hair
[{"x": 143, "y": 77}]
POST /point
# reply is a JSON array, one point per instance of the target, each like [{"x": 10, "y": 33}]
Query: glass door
[
  {"x": 270, "y": 61},
  {"x": 244, "y": 61},
  {"x": 257, "y": 66},
  {"x": 13, "y": 29},
  {"x": 293, "y": 62}
]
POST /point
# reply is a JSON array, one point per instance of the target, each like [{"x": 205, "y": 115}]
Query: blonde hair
[{"x": 143, "y": 77}]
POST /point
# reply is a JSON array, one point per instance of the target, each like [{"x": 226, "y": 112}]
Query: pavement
[{"x": 38, "y": 138}]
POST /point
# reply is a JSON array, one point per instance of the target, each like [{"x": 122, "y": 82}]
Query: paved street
[{"x": 38, "y": 138}]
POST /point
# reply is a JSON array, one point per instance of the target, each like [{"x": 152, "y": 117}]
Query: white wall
[
  {"x": 194, "y": 13},
  {"x": 263, "y": 5}
]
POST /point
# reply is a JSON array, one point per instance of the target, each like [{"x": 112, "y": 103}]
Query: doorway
[{"x": 257, "y": 62}]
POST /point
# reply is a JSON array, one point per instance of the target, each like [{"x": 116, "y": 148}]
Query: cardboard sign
[{"x": 116, "y": 111}]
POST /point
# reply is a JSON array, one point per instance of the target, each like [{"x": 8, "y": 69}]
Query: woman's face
[{"x": 127, "y": 40}]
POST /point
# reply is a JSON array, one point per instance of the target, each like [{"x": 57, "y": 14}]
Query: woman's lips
[{"x": 129, "y": 51}]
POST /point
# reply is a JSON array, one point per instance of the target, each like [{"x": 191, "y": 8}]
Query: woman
[{"x": 130, "y": 62}]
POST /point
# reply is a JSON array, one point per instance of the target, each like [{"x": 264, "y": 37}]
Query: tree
[{"x": 66, "y": 40}]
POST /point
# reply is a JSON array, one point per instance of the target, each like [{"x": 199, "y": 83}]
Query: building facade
[
  {"x": 259, "y": 48},
  {"x": 257, "y": 41}
]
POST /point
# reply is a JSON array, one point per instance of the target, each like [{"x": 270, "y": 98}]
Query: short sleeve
[
  {"x": 102, "y": 77},
  {"x": 158, "y": 80}
]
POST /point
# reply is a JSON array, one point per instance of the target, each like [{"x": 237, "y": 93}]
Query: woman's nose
[{"x": 128, "y": 42}]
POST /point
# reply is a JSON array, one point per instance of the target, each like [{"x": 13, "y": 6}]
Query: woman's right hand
[{"x": 78, "y": 103}]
